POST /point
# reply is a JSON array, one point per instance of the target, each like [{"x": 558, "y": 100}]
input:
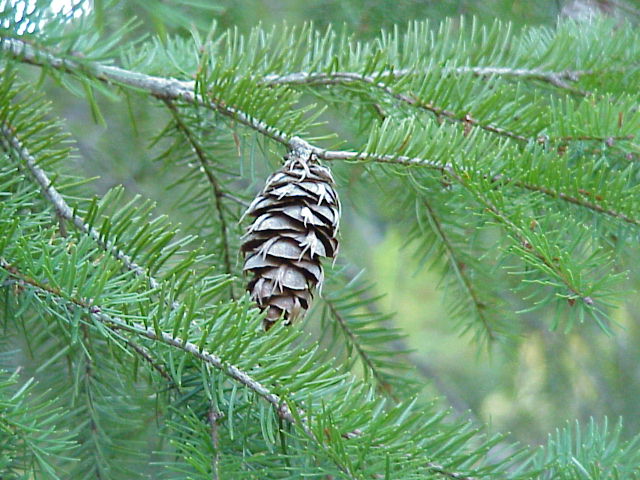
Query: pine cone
[{"x": 297, "y": 215}]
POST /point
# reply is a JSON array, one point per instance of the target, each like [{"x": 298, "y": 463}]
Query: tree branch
[
  {"x": 88, "y": 379},
  {"x": 345, "y": 78},
  {"x": 341, "y": 78},
  {"x": 211, "y": 178},
  {"x": 521, "y": 238},
  {"x": 457, "y": 267},
  {"x": 362, "y": 353},
  {"x": 294, "y": 143},
  {"x": 172, "y": 89},
  {"x": 559, "y": 79},
  {"x": 12, "y": 144},
  {"x": 151, "y": 361},
  {"x": 114, "y": 323},
  {"x": 214, "y": 416},
  {"x": 163, "y": 89},
  {"x": 447, "y": 168},
  {"x": 160, "y": 87}
]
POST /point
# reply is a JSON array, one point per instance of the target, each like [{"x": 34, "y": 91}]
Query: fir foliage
[{"x": 135, "y": 353}]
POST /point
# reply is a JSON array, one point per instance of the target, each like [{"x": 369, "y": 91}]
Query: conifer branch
[
  {"x": 516, "y": 232},
  {"x": 214, "y": 418},
  {"x": 346, "y": 78},
  {"x": 238, "y": 200},
  {"x": 609, "y": 140},
  {"x": 343, "y": 78},
  {"x": 448, "y": 169},
  {"x": 87, "y": 380},
  {"x": 114, "y": 323},
  {"x": 283, "y": 409},
  {"x": 173, "y": 89},
  {"x": 439, "y": 469},
  {"x": 160, "y": 87},
  {"x": 362, "y": 353},
  {"x": 211, "y": 178},
  {"x": 142, "y": 352},
  {"x": 578, "y": 201},
  {"x": 559, "y": 79},
  {"x": 554, "y": 77},
  {"x": 459, "y": 269},
  {"x": 13, "y": 145},
  {"x": 238, "y": 92}
]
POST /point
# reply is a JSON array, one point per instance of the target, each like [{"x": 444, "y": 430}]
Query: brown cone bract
[{"x": 296, "y": 224}]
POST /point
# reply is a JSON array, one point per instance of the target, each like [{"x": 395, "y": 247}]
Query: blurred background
[{"x": 526, "y": 388}]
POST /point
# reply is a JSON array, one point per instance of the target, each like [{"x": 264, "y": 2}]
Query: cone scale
[{"x": 295, "y": 225}]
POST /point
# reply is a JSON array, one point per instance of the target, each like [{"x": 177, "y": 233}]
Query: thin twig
[
  {"x": 214, "y": 417},
  {"x": 439, "y": 469},
  {"x": 88, "y": 379},
  {"x": 339, "y": 78},
  {"x": 151, "y": 361},
  {"x": 517, "y": 233},
  {"x": 211, "y": 178},
  {"x": 559, "y": 79},
  {"x": 556, "y": 78},
  {"x": 364, "y": 356},
  {"x": 458, "y": 268},
  {"x": 159, "y": 87},
  {"x": 579, "y": 202},
  {"x": 238, "y": 200}
]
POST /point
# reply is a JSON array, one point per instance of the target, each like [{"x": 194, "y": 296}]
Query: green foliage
[
  {"x": 506, "y": 159},
  {"x": 31, "y": 437},
  {"x": 349, "y": 312},
  {"x": 591, "y": 453}
]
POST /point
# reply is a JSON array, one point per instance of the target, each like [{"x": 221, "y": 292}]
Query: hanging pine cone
[{"x": 296, "y": 224}]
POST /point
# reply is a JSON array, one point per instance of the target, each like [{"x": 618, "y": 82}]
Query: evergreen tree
[{"x": 130, "y": 347}]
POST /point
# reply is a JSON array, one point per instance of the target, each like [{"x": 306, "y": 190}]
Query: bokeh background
[{"x": 526, "y": 388}]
